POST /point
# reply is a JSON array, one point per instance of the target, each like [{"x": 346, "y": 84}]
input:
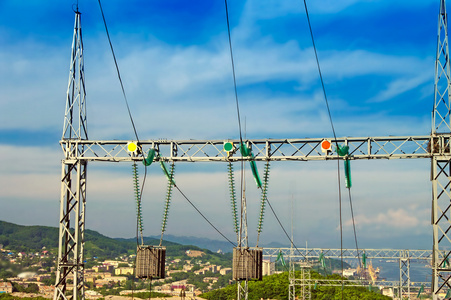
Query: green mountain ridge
[{"x": 23, "y": 238}]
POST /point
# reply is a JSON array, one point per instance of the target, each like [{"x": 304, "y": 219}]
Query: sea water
[{"x": 420, "y": 271}]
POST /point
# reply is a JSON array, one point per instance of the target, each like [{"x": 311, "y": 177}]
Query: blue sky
[{"x": 377, "y": 59}]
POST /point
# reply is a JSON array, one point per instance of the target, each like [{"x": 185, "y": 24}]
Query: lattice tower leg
[
  {"x": 307, "y": 283},
  {"x": 243, "y": 290},
  {"x": 292, "y": 278},
  {"x": 303, "y": 284},
  {"x": 243, "y": 242},
  {"x": 70, "y": 263},
  {"x": 404, "y": 275},
  {"x": 441, "y": 208},
  {"x": 306, "y": 292}
]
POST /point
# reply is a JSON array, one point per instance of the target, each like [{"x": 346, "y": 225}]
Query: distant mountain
[
  {"x": 34, "y": 238},
  {"x": 212, "y": 245},
  {"x": 22, "y": 238}
]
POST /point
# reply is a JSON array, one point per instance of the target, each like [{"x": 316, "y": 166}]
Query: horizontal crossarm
[
  {"x": 390, "y": 147},
  {"x": 314, "y": 253}
]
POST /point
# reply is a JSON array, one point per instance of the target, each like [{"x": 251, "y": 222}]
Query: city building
[
  {"x": 268, "y": 267},
  {"x": 6, "y": 287},
  {"x": 225, "y": 271},
  {"x": 124, "y": 271}
]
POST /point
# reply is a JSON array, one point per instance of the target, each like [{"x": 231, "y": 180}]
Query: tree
[
  {"x": 32, "y": 288},
  {"x": 123, "y": 265}
]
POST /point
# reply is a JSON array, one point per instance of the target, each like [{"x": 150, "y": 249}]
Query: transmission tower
[
  {"x": 441, "y": 161},
  {"x": 73, "y": 179},
  {"x": 78, "y": 150}
]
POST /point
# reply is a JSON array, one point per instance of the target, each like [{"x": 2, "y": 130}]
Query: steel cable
[
  {"x": 118, "y": 72},
  {"x": 336, "y": 142}
]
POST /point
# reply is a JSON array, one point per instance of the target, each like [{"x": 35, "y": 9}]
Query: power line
[
  {"x": 118, "y": 72},
  {"x": 336, "y": 143},
  {"x": 233, "y": 70},
  {"x": 203, "y": 216},
  {"x": 283, "y": 228}
]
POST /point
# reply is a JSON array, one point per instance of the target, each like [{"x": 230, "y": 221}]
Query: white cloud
[{"x": 398, "y": 218}]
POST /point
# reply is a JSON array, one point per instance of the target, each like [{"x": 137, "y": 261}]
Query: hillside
[
  {"x": 33, "y": 238},
  {"x": 23, "y": 238}
]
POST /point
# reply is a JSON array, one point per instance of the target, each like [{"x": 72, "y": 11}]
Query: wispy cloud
[
  {"x": 397, "y": 218},
  {"x": 399, "y": 86}
]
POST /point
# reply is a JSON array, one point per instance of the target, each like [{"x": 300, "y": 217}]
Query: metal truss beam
[
  {"x": 314, "y": 253},
  {"x": 378, "y": 283},
  {"x": 390, "y": 147}
]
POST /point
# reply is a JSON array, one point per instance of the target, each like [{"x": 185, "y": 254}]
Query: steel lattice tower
[
  {"x": 441, "y": 161},
  {"x": 70, "y": 263}
]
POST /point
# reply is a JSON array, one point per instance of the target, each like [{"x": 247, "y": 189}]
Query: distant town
[{"x": 192, "y": 276}]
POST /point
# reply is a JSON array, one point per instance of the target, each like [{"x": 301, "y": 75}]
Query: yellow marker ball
[{"x": 132, "y": 147}]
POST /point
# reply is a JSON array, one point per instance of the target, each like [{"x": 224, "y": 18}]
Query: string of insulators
[
  {"x": 258, "y": 181},
  {"x": 233, "y": 198},
  {"x": 344, "y": 151},
  {"x": 246, "y": 152},
  {"x": 264, "y": 196},
  {"x": 166, "y": 172},
  {"x": 348, "y": 173},
  {"x": 138, "y": 200},
  {"x": 170, "y": 176},
  {"x": 321, "y": 260}
]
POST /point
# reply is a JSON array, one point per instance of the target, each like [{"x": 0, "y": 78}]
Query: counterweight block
[
  {"x": 247, "y": 263},
  {"x": 150, "y": 262}
]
